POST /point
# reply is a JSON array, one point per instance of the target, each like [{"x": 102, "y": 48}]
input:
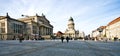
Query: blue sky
[{"x": 87, "y": 14}]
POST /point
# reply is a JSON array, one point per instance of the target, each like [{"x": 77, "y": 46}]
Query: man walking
[
  {"x": 67, "y": 39},
  {"x": 20, "y": 38},
  {"x": 62, "y": 38}
]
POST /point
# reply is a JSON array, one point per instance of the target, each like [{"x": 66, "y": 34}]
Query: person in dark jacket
[
  {"x": 62, "y": 38},
  {"x": 67, "y": 39},
  {"x": 20, "y": 38}
]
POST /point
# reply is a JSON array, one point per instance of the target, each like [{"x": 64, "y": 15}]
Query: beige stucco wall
[{"x": 113, "y": 30}]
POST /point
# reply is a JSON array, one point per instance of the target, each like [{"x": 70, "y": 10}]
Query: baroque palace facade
[{"x": 30, "y": 27}]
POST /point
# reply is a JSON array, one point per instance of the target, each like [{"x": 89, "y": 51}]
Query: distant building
[
  {"x": 81, "y": 34},
  {"x": 110, "y": 31},
  {"x": 113, "y": 29},
  {"x": 95, "y": 33},
  {"x": 70, "y": 31},
  {"x": 29, "y": 27},
  {"x": 99, "y": 33}
]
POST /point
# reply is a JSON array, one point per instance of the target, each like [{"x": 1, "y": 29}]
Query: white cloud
[{"x": 87, "y": 14}]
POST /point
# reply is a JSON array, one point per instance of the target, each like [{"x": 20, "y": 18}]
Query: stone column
[
  {"x": 51, "y": 31},
  {"x": 42, "y": 30},
  {"x": 48, "y": 31},
  {"x": 39, "y": 31}
]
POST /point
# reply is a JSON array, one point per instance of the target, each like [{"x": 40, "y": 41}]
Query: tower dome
[
  {"x": 71, "y": 19},
  {"x": 71, "y": 24}
]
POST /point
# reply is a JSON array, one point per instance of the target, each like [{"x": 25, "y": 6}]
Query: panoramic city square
[
  {"x": 60, "y": 28},
  {"x": 57, "y": 48}
]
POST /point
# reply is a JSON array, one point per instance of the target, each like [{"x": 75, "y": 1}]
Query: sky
[{"x": 87, "y": 14}]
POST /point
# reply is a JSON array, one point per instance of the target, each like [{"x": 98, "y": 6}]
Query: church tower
[
  {"x": 70, "y": 31},
  {"x": 71, "y": 24}
]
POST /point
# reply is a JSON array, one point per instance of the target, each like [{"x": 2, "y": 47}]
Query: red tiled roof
[
  {"x": 114, "y": 21},
  {"x": 103, "y": 27}
]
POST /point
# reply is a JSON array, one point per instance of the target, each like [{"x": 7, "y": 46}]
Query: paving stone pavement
[{"x": 57, "y": 48}]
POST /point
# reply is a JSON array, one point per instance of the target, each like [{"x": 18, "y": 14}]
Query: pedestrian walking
[
  {"x": 67, "y": 39},
  {"x": 62, "y": 38},
  {"x": 20, "y": 38}
]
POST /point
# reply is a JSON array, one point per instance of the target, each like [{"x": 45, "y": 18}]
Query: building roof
[
  {"x": 26, "y": 18},
  {"x": 2, "y": 17},
  {"x": 8, "y": 17},
  {"x": 94, "y": 30},
  {"x": 31, "y": 17},
  {"x": 71, "y": 19},
  {"x": 114, "y": 21},
  {"x": 103, "y": 27}
]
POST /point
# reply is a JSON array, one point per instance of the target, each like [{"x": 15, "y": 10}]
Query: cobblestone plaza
[{"x": 56, "y": 48}]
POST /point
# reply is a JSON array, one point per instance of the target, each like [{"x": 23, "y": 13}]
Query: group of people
[
  {"x": 62, "y": 39},
  {"x": 67, "y": 39}
]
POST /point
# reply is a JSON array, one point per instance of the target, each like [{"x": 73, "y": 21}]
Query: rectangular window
[
  {"x": 34, "y": 29},
  {"x": 2, "y": 30},
  {"x": 17, "y": 28},
  {"x": 2, "y": 24}
]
